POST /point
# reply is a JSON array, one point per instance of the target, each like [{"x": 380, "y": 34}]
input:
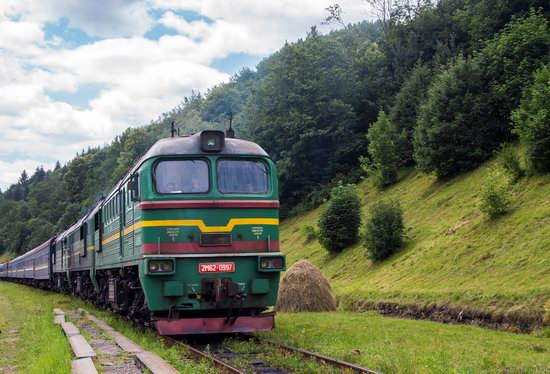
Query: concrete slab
[
  {"x": 100, "y": 323},
  {"x": 58, "y": 312},
  {"x": 80, "y": 347},
  {"x": 69, "y": 329},
  {"x": 59, "y": 319},
  {"x": 124, "y": 343},
  {"x": 83, "y": 366},
  {"x": 155, "y": 364}
]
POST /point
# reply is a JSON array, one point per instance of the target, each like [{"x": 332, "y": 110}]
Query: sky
[{"x": 75, "y": 73}]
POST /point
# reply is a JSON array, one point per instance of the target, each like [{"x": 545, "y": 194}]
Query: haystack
[{"x": 305, "y": 289}]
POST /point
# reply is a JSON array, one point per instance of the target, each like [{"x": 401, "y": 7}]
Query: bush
[
  {"x": 494, "y": 197},
  {"x": 532, "y": 121},
  {"x": 383, "y": 150},
  {"x": 339, "y": 223},
  {"x": 509, "y": 159},
  {"x": 385, "y": 230},
  {"x": 310, "y": 233}
]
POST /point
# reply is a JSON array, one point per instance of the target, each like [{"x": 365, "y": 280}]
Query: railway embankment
[{"x": 457, "y": 266}]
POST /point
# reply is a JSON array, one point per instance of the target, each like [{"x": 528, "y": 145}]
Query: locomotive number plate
[{"x": 217, "y": 267}]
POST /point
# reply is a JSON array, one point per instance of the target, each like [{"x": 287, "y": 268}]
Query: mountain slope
[{"x": 453, "y": 255}]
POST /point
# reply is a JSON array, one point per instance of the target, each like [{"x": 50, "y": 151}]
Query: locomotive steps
[{"x": 115, "y": 352}]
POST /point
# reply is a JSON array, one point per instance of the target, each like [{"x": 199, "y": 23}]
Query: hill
[{"x": 455, "y": 260}]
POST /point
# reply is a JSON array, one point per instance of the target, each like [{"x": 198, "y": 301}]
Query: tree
[
  {"x": 404, "y": 111},
  {"x": 510, "y": 59},
  {"x": 335, "y": 15},
  {"x": 532, "y": 121},
  {"x": 339, "y": 223},
  {"x": 455, "y": 130},
  {"x": 24, "y": 178},
  {"x": 383, "y": 151},
  {"x": 302, "y": 112},
  {"x": 135, "y": 142}
]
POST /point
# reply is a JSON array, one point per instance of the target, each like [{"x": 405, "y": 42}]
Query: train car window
[
  {"x": 96, "y": 221},
  {"x": 181, "y": 176},
  {"x": 81, "y": 232},
  {"x": 242, "y": 176}
]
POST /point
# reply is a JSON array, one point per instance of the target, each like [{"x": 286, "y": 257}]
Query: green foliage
[
  {"x": 532, "y": 121},
  {"x": 383, "y": 150},
  {"x": 135, "y": 143},
  {"x": 307, "y": 105},
  {"x": 339, "y": 223},
  {"x": 385, "y": 229},
  {"x": 404, "y": 111},
  {"x": 509, "y": 160},
  {"x": 510, "y": 59},
  {"x": 455, "y": 132},
  {"x": 310, "y": 233},
  {"x": 494, "y": 201}
]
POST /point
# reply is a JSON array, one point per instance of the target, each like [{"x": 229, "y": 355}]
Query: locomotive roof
[{"x": 190, "y": 145}]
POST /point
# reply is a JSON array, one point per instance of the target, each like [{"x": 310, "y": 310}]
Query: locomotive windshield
[
  {"x": 242, "y": 176},
  {"x": 181, "y": 176}
]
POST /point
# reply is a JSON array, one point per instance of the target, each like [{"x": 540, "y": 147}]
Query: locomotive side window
[
  {"x": 181, "y": 176},
  {"x": 242, "y": 176}
]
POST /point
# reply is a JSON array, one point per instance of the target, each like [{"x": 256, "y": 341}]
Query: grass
[
  {"x": 394, "y": 345},
  {"x": 453, "y": 254},
  {"x": 43, "y": 348},
  {"x": 40, "y": 347}
]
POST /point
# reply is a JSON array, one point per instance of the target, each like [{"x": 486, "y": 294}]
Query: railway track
[{"x": 227, "y": 361}]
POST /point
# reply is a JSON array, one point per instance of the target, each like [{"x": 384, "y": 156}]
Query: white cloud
[
  {"x": 11, "y": 171},
  {"x": 104, "y": 18}
]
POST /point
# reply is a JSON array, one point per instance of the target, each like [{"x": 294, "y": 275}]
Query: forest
[{"x": 437, "y": 85}]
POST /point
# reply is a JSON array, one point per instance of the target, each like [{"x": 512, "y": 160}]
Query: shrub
[
  {"x": 339, "y": 223},
  {"x": 509, "y": 159},
  {"x": 310, "y": 233},
  {"x": 494, "y": 196},
  {"x": 383, "y": 150},
  {"x": 532, "y": 121},
  {"x": 385, "y": 229}
]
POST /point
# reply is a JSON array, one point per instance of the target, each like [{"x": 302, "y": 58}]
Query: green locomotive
[{"x": 188, "y": 240}]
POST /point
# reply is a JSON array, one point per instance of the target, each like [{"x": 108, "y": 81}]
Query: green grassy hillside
[{"x": 453, "y": 254}]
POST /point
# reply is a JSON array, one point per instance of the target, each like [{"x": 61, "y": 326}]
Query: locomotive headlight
[
  {"x": 272, "y": 263},
  {"x": 160, "y": 266}
]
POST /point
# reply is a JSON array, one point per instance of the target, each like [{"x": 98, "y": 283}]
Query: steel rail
[
  {"x": 321, "y": 358},
  {"x": 221, "y": 365}
]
